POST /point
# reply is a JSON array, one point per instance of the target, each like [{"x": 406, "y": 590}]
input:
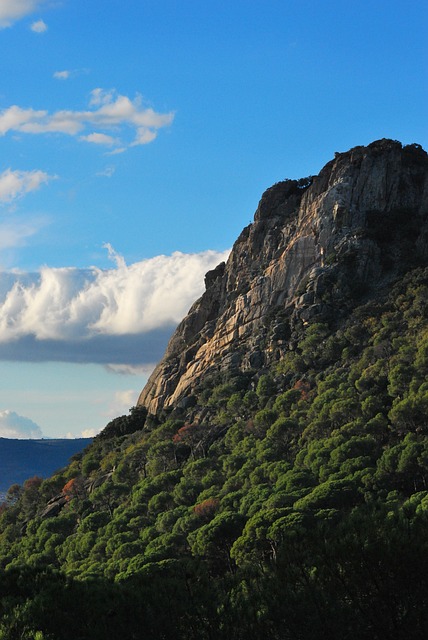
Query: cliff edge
[{"x": 317, "y": 247}]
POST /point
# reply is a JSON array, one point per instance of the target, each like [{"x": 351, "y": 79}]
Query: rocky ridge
[{"x": 316, "y": 248}]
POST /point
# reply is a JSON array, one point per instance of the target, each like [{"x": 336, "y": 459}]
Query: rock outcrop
[{"x": 316, "y": 248}]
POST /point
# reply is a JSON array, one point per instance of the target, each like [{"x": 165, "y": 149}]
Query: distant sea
[{"x": 23, "y": 459}]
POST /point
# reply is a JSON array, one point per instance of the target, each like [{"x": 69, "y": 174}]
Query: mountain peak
[{"x": 316, "y": 248}]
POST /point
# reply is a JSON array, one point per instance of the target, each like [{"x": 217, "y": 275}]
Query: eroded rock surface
[{"x": 317, "y": 246}]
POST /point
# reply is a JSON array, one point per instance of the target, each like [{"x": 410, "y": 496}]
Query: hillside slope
[{"x": 281, "y": 494}]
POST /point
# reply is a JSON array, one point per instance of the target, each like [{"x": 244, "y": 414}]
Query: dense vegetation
[{"x": 289, "y": 503}]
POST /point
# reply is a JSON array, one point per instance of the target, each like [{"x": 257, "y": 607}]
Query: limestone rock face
[{"x": 316, "y": 248}]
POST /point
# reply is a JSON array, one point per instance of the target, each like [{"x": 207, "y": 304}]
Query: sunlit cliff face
[{"x": 315, "y": 247}]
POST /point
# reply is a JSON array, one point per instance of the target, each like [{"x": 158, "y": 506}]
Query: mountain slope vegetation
[
  {"x": 287, "y": 500},
  {"x": 297, "y": 507}
]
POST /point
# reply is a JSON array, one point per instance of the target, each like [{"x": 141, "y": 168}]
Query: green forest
[{"x": 288, "y": 503}]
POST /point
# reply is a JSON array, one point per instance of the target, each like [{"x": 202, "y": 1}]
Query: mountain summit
[{"x": 317, "y": 247}]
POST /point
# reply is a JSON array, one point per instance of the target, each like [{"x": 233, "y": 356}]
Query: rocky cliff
[{"x": 316, "y": 248}]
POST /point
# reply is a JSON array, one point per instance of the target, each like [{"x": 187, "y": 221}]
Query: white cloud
[
  {"x": 125, "y": 398},
  {"x": 62, "y": 75},
  {"x": 15, "y": 184},
  {"x": 18, "y": 427},
  {"x": 87, "y": 433},
  {"x": 14, "y": 118},
  {"x": 13, "y": 10},
  {"x": 14, "y": 234},
  {"x": 107, "y": 172},
  {"x": 39, "y": 26},
  {"x": 131, "y": 370},
  {"x": 69, "y": 304},
  {"x": 100, "y": 138},
  {"x": 107, "y": 111},
  {"x": 116, "y": 151},
  {"x": 121, "y": 402},
  {"x": 100, "y": 96},
  {"x": 144, "y": 136},
  {"x": 65, "y": 74}
]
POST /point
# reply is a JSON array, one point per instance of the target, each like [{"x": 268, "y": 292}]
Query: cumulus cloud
[
  {"x": 121, "y": 403},
  {"x": 101, "y": 96},
  {"x": 144, "y": 136},
  {"x": 108, "y": 111},
  {"x": 18, "y": 427},
  {"x": 15, "y": 184},
  {"x": 122, "y": 315},
  {"x": 88, "y": 433},
  {"x": 13, "y": 10},
  {"x": 39, "y": 26}
]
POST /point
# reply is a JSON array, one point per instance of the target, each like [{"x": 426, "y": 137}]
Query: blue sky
[{"x": 136, "y": 140}]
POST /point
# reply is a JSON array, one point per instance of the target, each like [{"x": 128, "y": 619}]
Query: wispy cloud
[
  {"x": 15, "y": 184},
  {"x": 100, "y": 138},
  {"x": 116, "y": 151},
  {"x": 72, "y": 314},
  {"x": 131, "y": 370},
  {"x": 39, "y": 26},
  {"x": 13, "y": 10},
  {"x": 12, "y": 425},
  {"x": 108, "y": 111},
  {"x": 15, "y": 233},
  {"x": 66, "y": 74},
  {"x": 107, "y": 172},
  {"x": 62, "y": 75}
]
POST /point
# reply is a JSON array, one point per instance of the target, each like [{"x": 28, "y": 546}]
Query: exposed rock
[
  {"x": 54, "y": 506},
  {"x": 93, "y": 483},
  {"x": 316, "y": 247}
]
